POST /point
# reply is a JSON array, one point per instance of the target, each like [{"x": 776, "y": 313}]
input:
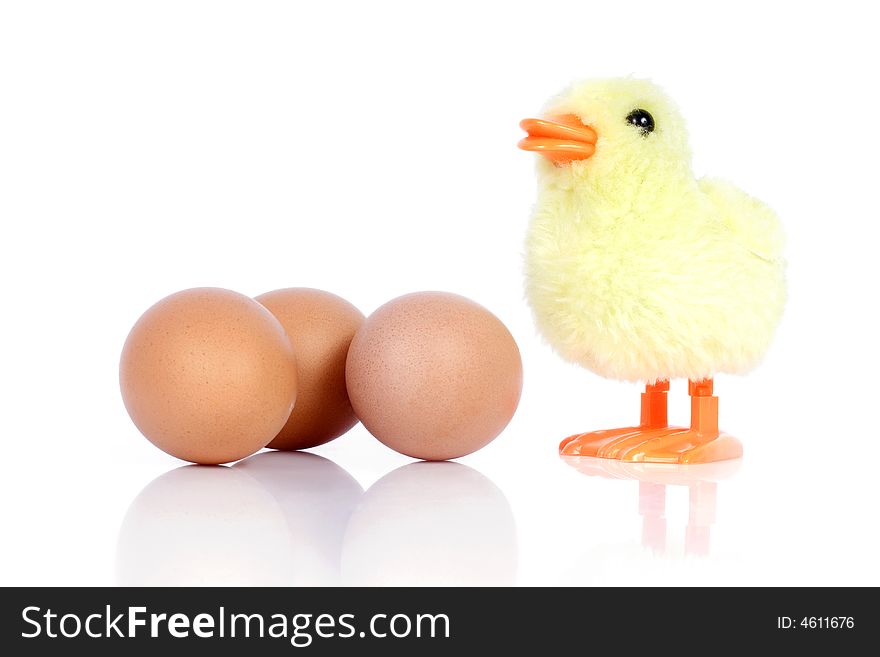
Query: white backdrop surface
[{"x": 369, "y": 149}]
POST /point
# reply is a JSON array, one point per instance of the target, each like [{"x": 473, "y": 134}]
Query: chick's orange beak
[{"x": 561, "y": 139}]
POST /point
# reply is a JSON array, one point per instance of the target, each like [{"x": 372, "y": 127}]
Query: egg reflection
[
  {"x": 316, "y": 497},
  {"x": 272, "y": 519},
  {"x": 297, "y": 519},
  {"x": 431, "y": 524},
  {"x": 203, "y": 526}
]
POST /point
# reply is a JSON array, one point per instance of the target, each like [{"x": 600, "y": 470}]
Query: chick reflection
[
  {"x": 701, "y": 481},
  {"x": 431, "y": 524},
  {"x": 273, "y": 519}
]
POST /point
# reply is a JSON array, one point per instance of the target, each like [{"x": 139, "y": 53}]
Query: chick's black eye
[{"x": 641, "y": 119}]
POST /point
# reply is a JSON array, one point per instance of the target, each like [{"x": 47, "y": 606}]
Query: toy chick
[{"x": 638, "y": 271}]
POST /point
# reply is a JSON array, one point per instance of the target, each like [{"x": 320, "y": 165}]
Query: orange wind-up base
[{"x": 654, "y": 441}]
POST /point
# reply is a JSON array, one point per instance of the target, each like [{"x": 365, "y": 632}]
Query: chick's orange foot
[
  {"x": 653, "y": 418},
  {"x": 639, "y": 445},
  {"x": 653, "y": 441}
]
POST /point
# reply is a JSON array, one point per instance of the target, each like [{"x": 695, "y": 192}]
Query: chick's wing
[{"x": 751, "y": 222}]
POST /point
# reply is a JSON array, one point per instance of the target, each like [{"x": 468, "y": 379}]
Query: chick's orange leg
[
  {"x": 653, "y": 441},
  {"x": 653, "y": 418},
  {"x": 701, "y": 443}
]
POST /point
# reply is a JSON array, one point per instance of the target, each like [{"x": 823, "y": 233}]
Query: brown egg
[
  {"x": 320, "y": 326},
  {"x": 434, "y": 375},
  {"x": 208, "y": 375}
]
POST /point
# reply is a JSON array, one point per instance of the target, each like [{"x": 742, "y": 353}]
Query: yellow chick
[{"x": 638, "y": 271}]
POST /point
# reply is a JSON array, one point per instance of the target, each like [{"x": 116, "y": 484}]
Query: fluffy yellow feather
[{"x": 637, "y": 270}]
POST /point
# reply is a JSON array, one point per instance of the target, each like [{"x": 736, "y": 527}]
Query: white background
[{"x": 369, "y": 149}]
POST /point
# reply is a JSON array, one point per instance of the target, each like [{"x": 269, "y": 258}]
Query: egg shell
[
  {"x": 208, "y": 375},
  {"x": 320, "y": 326},
  {"x": 434, "y": 375}
]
